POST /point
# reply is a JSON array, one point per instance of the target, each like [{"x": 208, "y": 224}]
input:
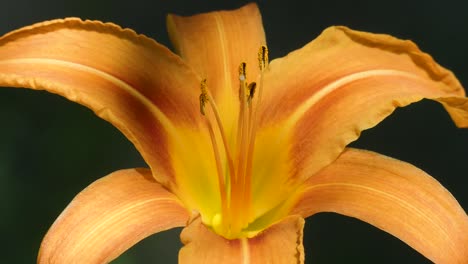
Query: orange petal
[
  {"x": 393, "y": 196},
  {"x": 344, "y": 82},
  {"x": 109, "y": 216},
  {"x": 280, "y": 243},
  {"x": 127, "y": 79},
  {"x": 215, "y": 44}
]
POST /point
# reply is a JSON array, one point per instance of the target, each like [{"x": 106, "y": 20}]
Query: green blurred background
[{"x": 50, "y": 149}]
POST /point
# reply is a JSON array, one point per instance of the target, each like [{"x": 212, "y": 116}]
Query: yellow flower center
[{"x": 235, "y": 182}]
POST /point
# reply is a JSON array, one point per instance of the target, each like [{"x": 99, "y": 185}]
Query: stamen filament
[
  {"x": 223, "y": 134},
  {"x": 206, "y": 93},
  {"x": 219, "y": 169}
]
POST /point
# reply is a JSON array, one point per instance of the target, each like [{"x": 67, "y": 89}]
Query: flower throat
[{"x": 235, "y": 182}]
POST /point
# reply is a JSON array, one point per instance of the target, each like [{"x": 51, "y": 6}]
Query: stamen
[
  {"x": 205, "y": 96},
  {"x": 262, "y": 64},
  {"x": 242, "y": 140}
]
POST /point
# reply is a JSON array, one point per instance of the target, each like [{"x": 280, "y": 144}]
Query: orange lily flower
[{"x": 240, "y": 150}]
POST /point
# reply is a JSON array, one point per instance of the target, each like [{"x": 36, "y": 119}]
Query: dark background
[{"x": 50, "y": 149}]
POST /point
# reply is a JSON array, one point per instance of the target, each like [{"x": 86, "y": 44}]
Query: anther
[
  {"x": 203, "y": 96},
  {"x": 252, "y": 86},
  {"x": 242, "y": 79},
  {"x": 263, "y": 57},
  {"x": 242, "y": 70}
]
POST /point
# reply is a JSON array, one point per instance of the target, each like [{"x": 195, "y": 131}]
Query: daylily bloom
[{"x": 240, "y": 150}]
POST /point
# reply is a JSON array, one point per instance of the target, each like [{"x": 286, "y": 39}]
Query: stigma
[{"x": 234, "y": 165}]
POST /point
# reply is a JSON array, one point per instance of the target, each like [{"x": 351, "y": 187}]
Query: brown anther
[
  {"x": 242, "y": 71},
  {"x": 203, "y": 96},
  {"x": 263, "y": 57},
  {"x": 252, "y": 86}
]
